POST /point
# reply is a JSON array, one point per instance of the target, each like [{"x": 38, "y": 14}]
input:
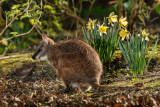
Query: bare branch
[
  {"x": 19, "y": 34},
  {"x": 16, "y": 17}
]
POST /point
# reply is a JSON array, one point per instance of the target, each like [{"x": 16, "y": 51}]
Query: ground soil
[{"x": 34, "y": 83}]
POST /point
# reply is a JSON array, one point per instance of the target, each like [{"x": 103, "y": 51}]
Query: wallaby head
[{"x": 42, "y": 49}]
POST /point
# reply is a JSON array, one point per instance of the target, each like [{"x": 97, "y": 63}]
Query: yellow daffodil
[
  {"x": 103, "y": 29},
  {"x": 90, "y": 24},
  {"x": 112, "y": 18},
  {"x": 124, "y": 33},
  {"x": 144, "y": 33},
  {"x": 123, "y": 22}
]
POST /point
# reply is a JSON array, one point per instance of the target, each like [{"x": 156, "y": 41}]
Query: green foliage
[
  {"x": 49, "y": 22},
  {"x": 55, "y": 21},
  {"x": 134, "y": 52},
  {"x": 14, "y": 33},
  {"x": 48, "y": 7},
  {"x": 4, "y": 0},
  {"x": 106, "y": 44},
  {"x": 158, "y": 8}
]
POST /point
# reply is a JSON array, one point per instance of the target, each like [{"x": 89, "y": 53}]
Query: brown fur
[{"x": 75, "y": 62}]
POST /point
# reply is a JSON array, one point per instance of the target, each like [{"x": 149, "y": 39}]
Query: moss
[
  {"x": 13, "y": 63},
  {"x": 89, "y": 94},
  {"x": 152, "y": 83},
  {"x": 130, "y": 83}
]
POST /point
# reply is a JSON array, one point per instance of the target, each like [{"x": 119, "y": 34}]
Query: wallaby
[{"x": 76, "y": 62}]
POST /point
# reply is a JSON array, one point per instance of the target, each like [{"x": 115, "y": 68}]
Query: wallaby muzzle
[{"x": 33, "y": 57}]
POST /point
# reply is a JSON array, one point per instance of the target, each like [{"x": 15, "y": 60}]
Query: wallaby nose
[{"x": 33, "y": 57}]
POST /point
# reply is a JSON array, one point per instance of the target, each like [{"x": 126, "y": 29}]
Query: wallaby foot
[
  {"x": 76, "y": 87},
  {"x": 73, "y": 88},
  {"x": 95, "y": 85},
  {"x": 67, "y": 90}
]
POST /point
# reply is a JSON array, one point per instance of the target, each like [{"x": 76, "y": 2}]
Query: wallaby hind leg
[
  {"x": 88, "y": 88},
  {"x": 68, "y": 86}
]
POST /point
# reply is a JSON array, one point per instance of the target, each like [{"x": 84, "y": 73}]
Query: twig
[
  {"x": 74, "y": 7},
  {"x": 6, "y": 20},
  {"x": 74, "y": 10},
  {"x": 154, "y": 19},
  {"x": 4, "y": 53},
  {"x": 19, "y": 34},
  {"x": 90, "y": 8},
  {"x": 13, "y": 56},
  {"x": 3, "y": 83},
  {"x": 80, "y": 9},
  {"x": 77, "y": 17},
  {"x": 38, "y": 30},
  {"x": 15, "y": 18}
]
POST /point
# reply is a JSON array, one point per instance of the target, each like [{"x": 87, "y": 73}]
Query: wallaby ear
[{"x": 45, "y": 39}]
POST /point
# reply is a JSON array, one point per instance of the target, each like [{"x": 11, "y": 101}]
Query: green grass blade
[
  {"x": 153, "y": 50},
  {"x": 83, "y": 30},
  {"x": 122, "y": 48}
]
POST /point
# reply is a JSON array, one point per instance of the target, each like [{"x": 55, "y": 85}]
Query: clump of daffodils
[
  {"x": 144, "y": 34},
  {"x": 123, "y": 33},
  {"x": 112, "y": 19}
]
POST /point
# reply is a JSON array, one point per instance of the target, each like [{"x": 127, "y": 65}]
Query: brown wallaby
[{"x": 76, "y": 62}]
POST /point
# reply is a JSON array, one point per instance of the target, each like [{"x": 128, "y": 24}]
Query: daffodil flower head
[
  {"x": 144, "y": 33},
  {"x": 123, "y": 22},
  {"x": 102, "y": 29},
  {"x": 124, "y": 33},
  {"x": 90, "y": 24},
  {"x": 112, "y": 18}
]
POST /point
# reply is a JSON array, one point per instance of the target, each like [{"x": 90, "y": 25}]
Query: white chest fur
[{"x": 44, "y": 57}]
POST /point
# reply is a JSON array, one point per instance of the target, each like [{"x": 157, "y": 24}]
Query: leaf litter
[{"x": 36, "y": 84}]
